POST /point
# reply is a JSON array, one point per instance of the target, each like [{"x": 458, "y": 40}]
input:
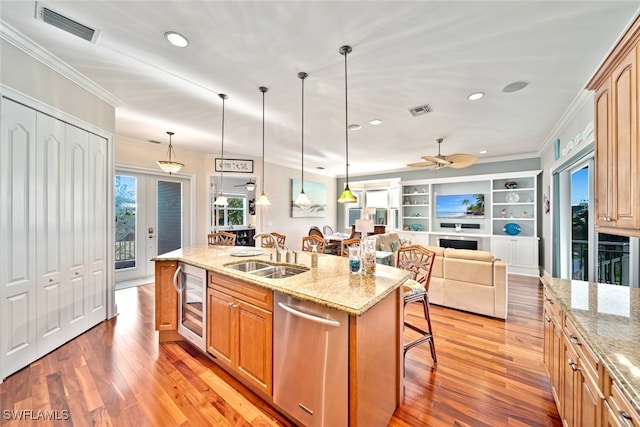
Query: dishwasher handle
[{"x": 307, "y": 316}]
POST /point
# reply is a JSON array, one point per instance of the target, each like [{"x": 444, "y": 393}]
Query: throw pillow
[
  {"x": 382, "y": 247},
  {"x": 394, "y": 246}
]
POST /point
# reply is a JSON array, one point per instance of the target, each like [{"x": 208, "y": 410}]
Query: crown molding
[
  {"x": 19, "y": 40},
  {"x": 576, "y": 105}
]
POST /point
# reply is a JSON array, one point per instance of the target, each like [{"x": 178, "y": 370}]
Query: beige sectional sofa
[{"x": 468, "y": 280}]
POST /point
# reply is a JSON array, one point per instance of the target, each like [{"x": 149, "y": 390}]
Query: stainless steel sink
[
  {"x": 249, "y": 266},
  {"x": 262, "y": 269},
  {"x": 278, "y": 271}
]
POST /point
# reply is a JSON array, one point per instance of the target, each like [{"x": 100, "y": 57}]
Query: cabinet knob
[
  {"x": 624, "y": 418},
  {"x": 574, "y": 365},
  {"x": 574, "y": 340}
]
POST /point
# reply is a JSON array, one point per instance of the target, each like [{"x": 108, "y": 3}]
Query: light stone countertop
[
  {"x": 330, "y": 284},
  {"x": 608, "y": 316}
]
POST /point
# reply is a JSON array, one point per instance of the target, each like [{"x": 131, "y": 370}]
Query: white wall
[{"x": 277, "y": 217}]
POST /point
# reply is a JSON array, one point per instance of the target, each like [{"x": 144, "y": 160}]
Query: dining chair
[
  {"x": 309, "y": 241},
  {"x": 329, "y": 246},
  {"x": 267, "y": 242},
  {"x": 327, "y": 230},
  {"x": 419, "y": 261},
  {"x": 346, "y": 244},
  {"x": 222, "y": 238}
]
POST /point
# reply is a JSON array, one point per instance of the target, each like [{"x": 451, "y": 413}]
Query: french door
[{"x": 152, "y": 217}]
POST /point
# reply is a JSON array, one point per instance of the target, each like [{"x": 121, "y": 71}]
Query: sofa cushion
[
  {"x": 411, "y": 287},
  {"x": 437, "y": 269},
  {"x": 469, "y": 254},
  {"x": 467, "y": 265}
]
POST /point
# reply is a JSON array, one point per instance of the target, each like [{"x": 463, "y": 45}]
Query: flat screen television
[{"x": 460, "y": 206}]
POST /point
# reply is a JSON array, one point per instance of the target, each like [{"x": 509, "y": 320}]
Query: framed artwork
[
  {"x": 233, "y": 165},
  {"x": 316, "y": 192}
]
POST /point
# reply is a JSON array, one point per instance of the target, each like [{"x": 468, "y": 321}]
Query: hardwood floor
[{"x": 490, "y": 373}]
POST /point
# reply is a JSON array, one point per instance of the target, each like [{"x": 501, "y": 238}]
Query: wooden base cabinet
[
  {"x": 240, "y": 331},
  {"x": 166, "y": 296},
  {"x": 617, "y": 410},
  {"x": 553, "y": 347}
]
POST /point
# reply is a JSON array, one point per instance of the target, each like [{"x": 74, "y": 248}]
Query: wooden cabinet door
[
  {"x": 589, "y": 401},
  {"x": 569, "y": 382},
  {"x": 166, "y": 296},
  {"x": 616, "y": 150},
  {"x": 254, "y": 336},
  {"x": 221, "y": 325},
  {"x": 624, "y": 159},
  {"x": 603, "y": 173}
]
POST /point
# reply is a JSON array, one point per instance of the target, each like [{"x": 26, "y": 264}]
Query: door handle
[
  {"x": 180, "y": 288},
  {"x": 308, "y": 316}
]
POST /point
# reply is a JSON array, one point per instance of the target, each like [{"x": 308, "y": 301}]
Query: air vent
[
  {"x": 421, "y": 110},
  {"x": 58, "y": 20}
]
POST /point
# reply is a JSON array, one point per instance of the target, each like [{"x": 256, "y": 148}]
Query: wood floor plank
[{"x": 489, "y": 373}]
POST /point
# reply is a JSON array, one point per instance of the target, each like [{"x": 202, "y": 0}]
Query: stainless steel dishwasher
[{"x": 310, "y": 366}]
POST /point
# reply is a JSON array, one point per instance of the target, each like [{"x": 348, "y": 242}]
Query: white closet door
[
  {"x": 98, "y": 229},
  {"x": 50, "y": 178},
  {"x": 76, "y": 215},
  {"x": 18, "y": 275}
]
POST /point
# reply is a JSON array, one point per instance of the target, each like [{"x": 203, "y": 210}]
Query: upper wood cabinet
[{"x": 617, "y": 156}]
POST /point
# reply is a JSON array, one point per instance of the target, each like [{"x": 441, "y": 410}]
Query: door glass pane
[
  {"x": 613, "y": 259},
  {"x": 169, "y": 216},
  {"x": 126, "y": 200},
  {"x": 580, "y": 224}
]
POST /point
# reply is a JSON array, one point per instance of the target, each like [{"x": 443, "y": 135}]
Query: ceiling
[{"x": 405, "y": 54}]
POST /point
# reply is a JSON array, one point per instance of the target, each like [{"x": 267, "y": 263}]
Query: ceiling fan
[
  {"x": 456, "y": 161},
  {"x": 250, "y": 186}
]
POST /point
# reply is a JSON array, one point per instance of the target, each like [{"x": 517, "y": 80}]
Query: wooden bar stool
[{"x": 418, "y": 260}]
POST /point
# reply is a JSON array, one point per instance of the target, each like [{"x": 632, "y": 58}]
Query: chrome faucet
[{"x": 275, "y": 244}]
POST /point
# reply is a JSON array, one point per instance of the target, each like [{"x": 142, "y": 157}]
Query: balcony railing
[{"x": 612, "y": 264}]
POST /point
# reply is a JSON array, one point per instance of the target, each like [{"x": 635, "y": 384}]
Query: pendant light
[
  {"x": 170, "y": 166},
  {"x": 346, "y": 196},
  {"x": 263, "y": 200},
  {"x": 302, "y": 200},
  {"x": 221, "y": 200}
]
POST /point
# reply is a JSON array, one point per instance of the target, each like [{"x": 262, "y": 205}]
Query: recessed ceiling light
[
  {"x": 515, "y": 86},
  {"x": 483, "y": 152},
  {"x": 176, "y": 39},
  {"x": 475, "y": 96},
  {"x": 375, "y": 122},
  {"x": 355, "y": 127}
]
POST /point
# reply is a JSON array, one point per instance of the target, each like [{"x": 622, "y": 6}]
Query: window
[{"x": 233, "y": 214}]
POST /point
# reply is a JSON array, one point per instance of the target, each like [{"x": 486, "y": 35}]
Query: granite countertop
[
  {"x": 608, "y": 316},
  {"x": 330, "y": 284}
]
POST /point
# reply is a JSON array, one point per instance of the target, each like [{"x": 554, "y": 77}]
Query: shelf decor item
[
  {"x": 512, "y": 229},
  {"x": 416, "y": 227},
  {"x": 513, "y": 198},
  {"x": 510, "y": 185}
]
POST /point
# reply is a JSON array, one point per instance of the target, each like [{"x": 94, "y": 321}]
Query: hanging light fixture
[
  {"x": 263, "y": 200},
  {"x": 221, "y": 200},
  {"x": 302, "y": 200},
  {"x": 170, "y": 166},
  {"x": 346, "y": 196}
]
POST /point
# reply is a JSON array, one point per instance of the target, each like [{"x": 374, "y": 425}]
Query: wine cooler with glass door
[{"x": 191, "y": 284}]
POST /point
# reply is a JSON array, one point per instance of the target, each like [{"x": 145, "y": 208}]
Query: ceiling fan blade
[
  {"x": 461, "y": 160},
  {"x": 421, "y": 164},
  {"x": 436, "y": 159}
]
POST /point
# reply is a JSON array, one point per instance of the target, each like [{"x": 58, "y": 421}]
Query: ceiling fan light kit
[{"x": 439, "y": 161}]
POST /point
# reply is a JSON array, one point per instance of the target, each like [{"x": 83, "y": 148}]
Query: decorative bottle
[{"x": 314, "y": 256}]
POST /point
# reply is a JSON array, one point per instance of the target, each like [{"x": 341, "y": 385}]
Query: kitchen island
[
  {"x": 592, "y": 351},
  {"x": 243, "y": 331}
]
